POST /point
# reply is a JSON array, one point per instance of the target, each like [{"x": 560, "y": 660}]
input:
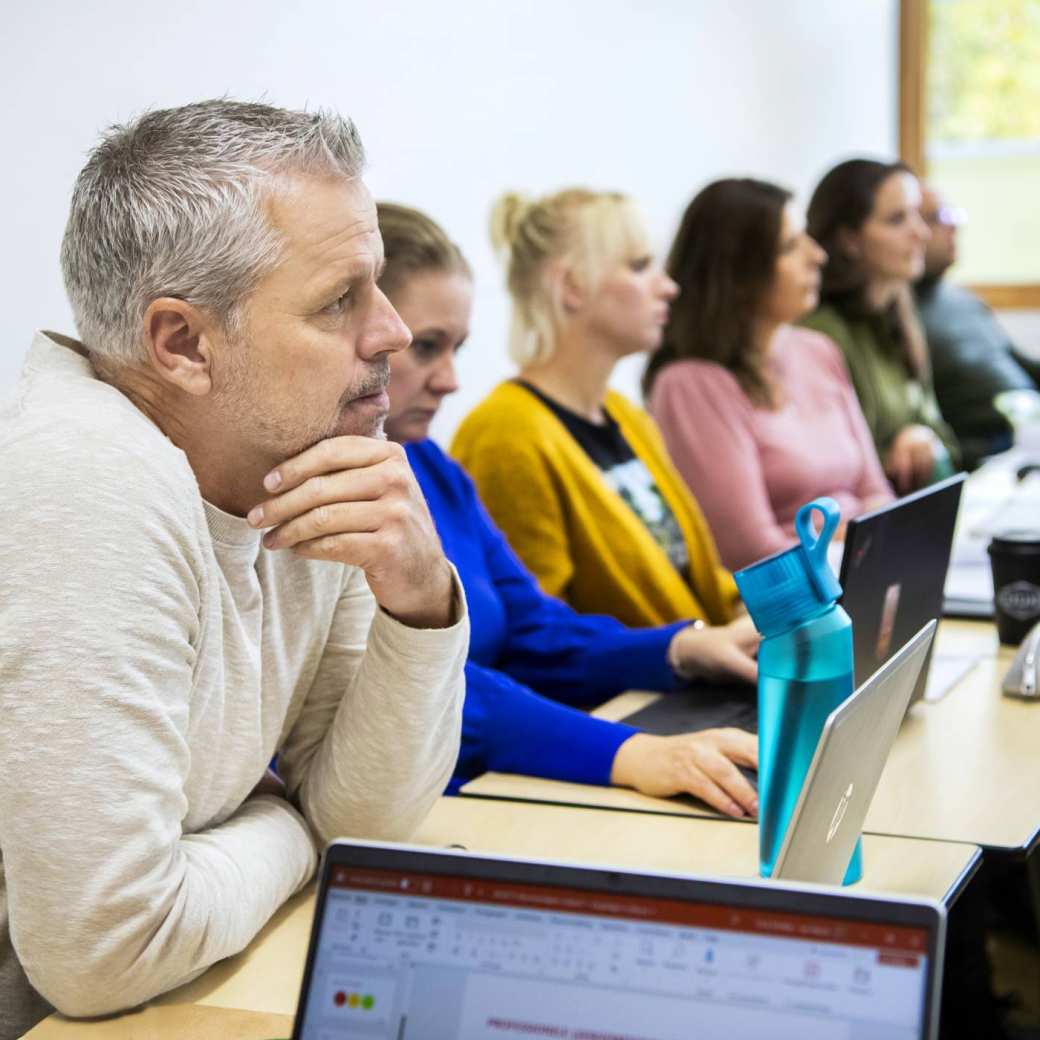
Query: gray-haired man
[
  {"x": 973, "y": 357},
  {"x": 209, "y": 555}
]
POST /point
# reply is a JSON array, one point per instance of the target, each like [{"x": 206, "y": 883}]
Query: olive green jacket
[{"x": 889, "y": 395}]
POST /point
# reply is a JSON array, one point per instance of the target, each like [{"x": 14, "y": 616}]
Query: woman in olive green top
[{"x": 866, "y": 214}]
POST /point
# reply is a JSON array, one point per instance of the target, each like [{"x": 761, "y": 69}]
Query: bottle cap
[{"x": 792, "y": 586}]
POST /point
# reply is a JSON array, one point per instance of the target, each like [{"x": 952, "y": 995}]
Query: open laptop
[
  {"x": 416, "y": 944},
  {"x": 845, "y": 770},
  {"x": 893, "y": 570},
  {"x": 844, "y": 773}
]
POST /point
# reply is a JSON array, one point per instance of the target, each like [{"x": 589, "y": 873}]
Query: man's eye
[{"x": 339, "y": 304}]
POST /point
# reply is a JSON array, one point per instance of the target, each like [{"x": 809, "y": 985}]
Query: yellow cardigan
[{"x": 576, "y": 534}]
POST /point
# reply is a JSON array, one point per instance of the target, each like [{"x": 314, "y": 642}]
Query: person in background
[
  {"x": 576, "y": 476},
  {"x": 973, "y": 358},
  {"x": 759, "y": 415},
  {"x": 523, "y": 640},
  {"x": 866, "y": 215},
  {"x": 210, "y": 555}
]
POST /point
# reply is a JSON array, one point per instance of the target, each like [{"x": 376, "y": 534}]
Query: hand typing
[
  {"x": 702, "y": 764},
  {"x": 718, "y": 651}
]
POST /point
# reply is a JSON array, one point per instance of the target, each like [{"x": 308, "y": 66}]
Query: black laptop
[
  {"x": 416, "y": 944},
  {"x": 893, "y": 572}
]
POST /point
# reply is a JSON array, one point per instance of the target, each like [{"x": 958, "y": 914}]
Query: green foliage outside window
[
  {"x": 984, "y": 70},
  {"x": 982, "y": 139}
]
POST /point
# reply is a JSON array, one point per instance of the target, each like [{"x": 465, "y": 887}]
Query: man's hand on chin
[{"x": 355, "y": 500}]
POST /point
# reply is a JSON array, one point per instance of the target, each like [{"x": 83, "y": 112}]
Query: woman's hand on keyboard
[
  {"x": 716, "y": 651},
  {"x": 703, "y": 764}
]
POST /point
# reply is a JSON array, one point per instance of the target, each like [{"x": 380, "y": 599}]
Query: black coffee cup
[{"x": 1015, "y": 559}]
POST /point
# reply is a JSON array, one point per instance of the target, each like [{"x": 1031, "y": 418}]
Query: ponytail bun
[{"x": 507, "y": 216}]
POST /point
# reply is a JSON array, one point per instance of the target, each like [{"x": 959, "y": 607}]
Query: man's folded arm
[
  {"x": 378, "y": 736},
  {"x": 109, "y": 901}
]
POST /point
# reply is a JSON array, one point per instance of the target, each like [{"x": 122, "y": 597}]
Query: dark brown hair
[
  {"x": 843, "y": 201},
  {"x": 723, "y": 259},
  {"x": 414, "y": 244}
]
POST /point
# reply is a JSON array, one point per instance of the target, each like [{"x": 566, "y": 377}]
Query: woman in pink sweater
[{"x": 759, "y": 416}]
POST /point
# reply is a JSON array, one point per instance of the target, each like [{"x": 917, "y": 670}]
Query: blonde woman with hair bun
[
  {"x": 575, "y": 475},
  {"x": 533, "y": 662}
]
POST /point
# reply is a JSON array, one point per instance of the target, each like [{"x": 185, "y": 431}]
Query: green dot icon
[{"x": 368, "y": 1001}]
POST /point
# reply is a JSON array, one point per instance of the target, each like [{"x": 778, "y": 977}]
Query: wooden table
[
  {"x": 965, "y": 768},
  {"x": 180, "y": 1022},
  {"x": 721, "y": 848},
  {"x": 254, "y": 994}
]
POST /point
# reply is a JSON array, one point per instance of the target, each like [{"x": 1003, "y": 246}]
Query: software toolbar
[{"x": 508, "y": 970}]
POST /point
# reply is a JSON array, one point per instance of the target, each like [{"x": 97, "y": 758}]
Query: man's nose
[{"x": 385, "y": 332}]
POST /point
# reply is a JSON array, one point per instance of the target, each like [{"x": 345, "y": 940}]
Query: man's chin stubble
[{"x": 373, "y": 428}]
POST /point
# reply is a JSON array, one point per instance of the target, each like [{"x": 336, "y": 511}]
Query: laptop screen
[
  {"x": 413, "y": 956},
  {"x": 893, "y": 570}
]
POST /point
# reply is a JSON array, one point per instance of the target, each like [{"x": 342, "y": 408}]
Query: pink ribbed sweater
[{"x": 751, "y": 468}]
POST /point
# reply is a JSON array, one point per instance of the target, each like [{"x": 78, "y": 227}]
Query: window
[{"x": 970, "y": 122}]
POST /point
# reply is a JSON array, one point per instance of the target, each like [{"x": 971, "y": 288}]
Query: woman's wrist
[{"x": 676, "y": 661}]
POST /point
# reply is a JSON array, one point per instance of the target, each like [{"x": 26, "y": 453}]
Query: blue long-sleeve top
[{"x": 531, "y": 656}]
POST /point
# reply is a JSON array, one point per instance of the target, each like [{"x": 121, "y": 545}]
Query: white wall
[{"x": 456, "y": 101}]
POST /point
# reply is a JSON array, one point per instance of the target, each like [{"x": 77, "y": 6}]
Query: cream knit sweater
[{"x": 153, "y": 658}]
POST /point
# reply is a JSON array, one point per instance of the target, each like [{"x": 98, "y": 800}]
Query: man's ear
[{"x": 179, "y": 344}]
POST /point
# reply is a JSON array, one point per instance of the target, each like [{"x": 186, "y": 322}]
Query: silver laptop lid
[
  {"x": 420, "y": 944},
  {"x": 846, "y": 768}
]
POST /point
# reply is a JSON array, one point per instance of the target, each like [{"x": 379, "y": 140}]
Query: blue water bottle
[{"x": 805, "y": 670}]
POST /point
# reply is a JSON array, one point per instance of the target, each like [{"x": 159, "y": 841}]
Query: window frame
[{"x": 913, "y": 116}]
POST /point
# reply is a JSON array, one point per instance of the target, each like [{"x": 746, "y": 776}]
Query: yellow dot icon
[{"x": 353, "y": 1000}]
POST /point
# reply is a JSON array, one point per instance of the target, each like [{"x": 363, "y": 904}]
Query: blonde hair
[{"x": 588, "y": 231}]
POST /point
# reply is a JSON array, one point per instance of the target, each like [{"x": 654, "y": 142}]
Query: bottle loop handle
[{"x": 816, "y": 544}]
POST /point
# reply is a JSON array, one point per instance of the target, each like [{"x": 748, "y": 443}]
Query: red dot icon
[{"x": 339, "y": 999}]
